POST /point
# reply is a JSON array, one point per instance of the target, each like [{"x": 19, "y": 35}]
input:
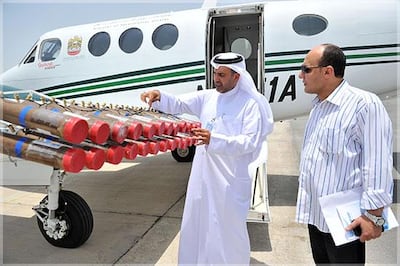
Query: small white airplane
[{"x": 119, "y": 59}]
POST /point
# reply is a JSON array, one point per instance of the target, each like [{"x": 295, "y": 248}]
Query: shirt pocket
[
  {"x": 332, "y": 141},
  {"x": 227, "y": 125}
]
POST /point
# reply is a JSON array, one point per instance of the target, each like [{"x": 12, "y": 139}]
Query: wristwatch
[{"x": 377, "y": 220}]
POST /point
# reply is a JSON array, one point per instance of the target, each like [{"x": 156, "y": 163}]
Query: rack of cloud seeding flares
[{"x": 72, "y": 136}]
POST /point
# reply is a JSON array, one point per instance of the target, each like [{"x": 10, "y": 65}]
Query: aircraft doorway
[{"x": 238, "y": 30}]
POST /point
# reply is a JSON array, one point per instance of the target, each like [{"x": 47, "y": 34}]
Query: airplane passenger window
[
  {"x": 242, "y": 46},
  {"x": 99, "y": 43},
  {"x": 130, "y": 40},
  {"x": 165, "y": 36},
  {"x": 50, "y": 49},
  {"x": 309, "y": 24}
]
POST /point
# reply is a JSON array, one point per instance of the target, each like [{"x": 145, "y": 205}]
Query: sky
[{"x": 23, "y": 21}]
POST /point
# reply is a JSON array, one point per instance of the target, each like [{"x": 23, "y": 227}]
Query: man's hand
[
  {"x": 368, "y": 229},
  {"x": 150, "y": 96},
  {"x": 201, "y": 135}
]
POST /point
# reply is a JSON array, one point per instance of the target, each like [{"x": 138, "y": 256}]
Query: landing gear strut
[{"x": 64, "y": 218}]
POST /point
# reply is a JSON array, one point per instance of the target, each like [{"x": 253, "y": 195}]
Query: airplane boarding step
[
  {"x": 259, "y": 206},
  {"x": 259, "y": 209}
]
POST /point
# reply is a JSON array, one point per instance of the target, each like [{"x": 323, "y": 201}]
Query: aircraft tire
[
  {"x": 74, "y": 210},
  {"x": 184, "y": 155}
]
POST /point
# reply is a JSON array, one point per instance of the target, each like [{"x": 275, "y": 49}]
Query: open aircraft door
[{"x": 241, "y": 30}]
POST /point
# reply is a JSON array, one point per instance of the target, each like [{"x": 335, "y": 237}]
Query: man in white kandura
[{"x": 236, "y": 120}]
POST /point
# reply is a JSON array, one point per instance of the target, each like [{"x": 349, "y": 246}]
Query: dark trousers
[{"x": 324, "y": 250}]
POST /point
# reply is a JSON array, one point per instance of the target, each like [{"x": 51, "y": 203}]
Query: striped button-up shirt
[{"x": 347, "y": 144}]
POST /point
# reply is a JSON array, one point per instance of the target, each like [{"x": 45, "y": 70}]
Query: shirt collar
[{"x": 335, "y": 97}]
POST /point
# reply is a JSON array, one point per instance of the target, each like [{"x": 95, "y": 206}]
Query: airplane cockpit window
[
  {"x": 50, "y": 49},
  {"x": 31, "y": 57},
  {"x": 99, "y": 43},
  {"x": 309, "y": 24},
  {"x": 131, "y": 40},
  {"x": 165, "y": 36}
]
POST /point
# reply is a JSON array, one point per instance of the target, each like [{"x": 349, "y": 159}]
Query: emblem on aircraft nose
[{"x": 74, "y": 45}]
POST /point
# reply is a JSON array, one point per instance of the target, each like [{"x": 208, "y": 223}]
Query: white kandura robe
[{"x": 213, "y": 229}]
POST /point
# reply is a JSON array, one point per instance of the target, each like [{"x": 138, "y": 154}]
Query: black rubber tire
[
  {"x": 184, "y": 155},
  {"x": 78, "y": 216}
]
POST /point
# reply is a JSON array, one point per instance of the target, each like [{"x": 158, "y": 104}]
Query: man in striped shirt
[{"x": 347, "y": 144}]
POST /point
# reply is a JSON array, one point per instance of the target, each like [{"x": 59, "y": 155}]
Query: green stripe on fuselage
[
  {"x": 354, "y": 56},
  {"x": 129, "y": 81},
  {"x": 272, "y": 65}
]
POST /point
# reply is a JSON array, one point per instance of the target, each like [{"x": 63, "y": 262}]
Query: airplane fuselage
[{"x": 114, "y": 61}]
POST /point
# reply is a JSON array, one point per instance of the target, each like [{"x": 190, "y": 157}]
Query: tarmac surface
[{"x": 137, "y": 208}]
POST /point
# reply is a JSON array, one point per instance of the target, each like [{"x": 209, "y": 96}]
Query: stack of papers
[{"x": 341, "y": 208}]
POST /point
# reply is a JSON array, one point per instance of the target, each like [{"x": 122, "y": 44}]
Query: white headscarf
[{"x": 237, "y": 63}]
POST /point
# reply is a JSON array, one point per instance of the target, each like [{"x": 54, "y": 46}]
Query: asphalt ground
[{"x": 137, "y": 208}]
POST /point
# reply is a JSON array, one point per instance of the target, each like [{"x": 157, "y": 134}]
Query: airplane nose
[{"x": 7, "y": 80}]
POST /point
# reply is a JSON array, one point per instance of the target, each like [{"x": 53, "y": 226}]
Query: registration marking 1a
[{"x": 288, "y": 91}]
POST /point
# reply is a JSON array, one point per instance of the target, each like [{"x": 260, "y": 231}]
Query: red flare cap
[
  {"x": 182, "y": 126},
  {"x": 131, "y": 151},
  {"x": 75, "y": 130},
  {"x": 154, "y": 147},
  {"x": 188, "y": 141},
  {"x": 160, "y": 127},
  {"x": 182, "y": 144},
  {"x": 163, "y": 145},
  {"x": 73, "y": 160},
  {"x": 169, "y": 128},
  {"x": 99, "y": 132},
  {"x": 135, "y": 130},
  {"x": 115, "y": 154},
  {"x": 193, "y": 140},
  {"x": 95, "y": 158},
  {"x": 171, "y": 144},
  {"x": 176, "y": 130},
  {"x": 189, "y": 127},
  {"x": 195, "y": 125},
  {"x": 177, "y": 141},
  {"x": 149, "y": 130},
  {"x": 119, "y": 131},
  {"x": 143, "y": 148}
]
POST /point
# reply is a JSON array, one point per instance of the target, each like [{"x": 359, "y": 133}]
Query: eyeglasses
[{"x": 308, "y": 69}]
